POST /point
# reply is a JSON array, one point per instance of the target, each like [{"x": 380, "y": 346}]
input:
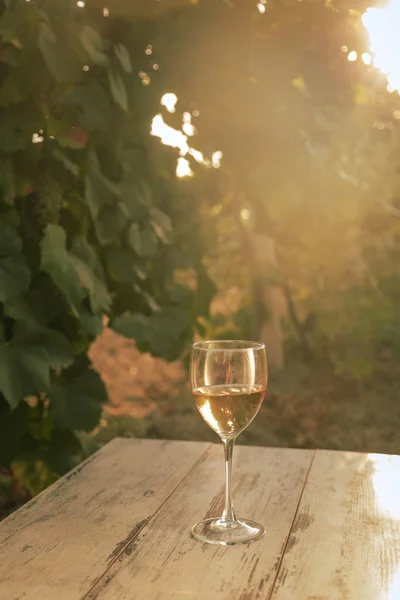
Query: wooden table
[{"x": 118, "y": 527}]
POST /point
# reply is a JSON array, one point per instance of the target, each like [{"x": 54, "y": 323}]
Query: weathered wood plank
[
  {"x": 164, "y": 562},
  {"x": 60, "y": 543},
  {"x": 345, "y": 540}
]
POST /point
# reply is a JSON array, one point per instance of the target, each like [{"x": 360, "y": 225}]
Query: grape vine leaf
[
  {"x": 142, "y": 241},
  {"x": 133, "y": 325},
  {"x": 162, "y": 225},
  {"x": 121, "y": 265},
  {"x": 78, "y": 404},
  {"x": 56, "y": 261},
  {"x": 118, "y": 90},
  {"x": 111, "y": 222},
  {"x": 61, "y": 62},
  {"x": 75, "y": 273},
  {"x": 159, "y": 333},
  {"x": 90, "y": 274},
  {"x": 26, "y": 359},
  {"x": 94, "y": 45},
  {"x": 99, "y": 191},
  {"x": 13, "y": 424},
  {"x": 14, "y": 274},
  {"x": 122, "y": 54}
]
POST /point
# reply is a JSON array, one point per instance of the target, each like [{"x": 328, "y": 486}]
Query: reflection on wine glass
[{"x": 228, "y": 379}]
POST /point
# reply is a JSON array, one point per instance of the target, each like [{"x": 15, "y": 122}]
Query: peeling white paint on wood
[
  {"x": 345, "y": 541},
  {"x": 166, "y": 562},
  {"x": 56, "y": 547},
  {"x": 118, "y": 527}
]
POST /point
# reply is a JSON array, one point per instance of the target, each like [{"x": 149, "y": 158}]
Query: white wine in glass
[{"x": 228, "y": 379}]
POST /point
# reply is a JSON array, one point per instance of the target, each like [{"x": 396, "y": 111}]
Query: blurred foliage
[
  {"x": 94, "y": 227},
  {"x": 310, "y": 168}
]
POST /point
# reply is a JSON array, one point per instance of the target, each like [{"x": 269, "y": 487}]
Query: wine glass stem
[{"x": 229, "y": 514}]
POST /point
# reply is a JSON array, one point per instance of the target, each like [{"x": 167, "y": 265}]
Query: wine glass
[{"x": 228, "y": 380}]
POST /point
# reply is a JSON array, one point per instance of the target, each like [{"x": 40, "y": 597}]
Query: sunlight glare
[
  {"x": 394, "y": 589},
  {"x": 207, "y": 414},
  {"x": 261, "y": 8},
  {"x": 183, "y": 168},
  {"x": 366, "y": 58},
  {"x": 383, "y": 25},
  {"x": 179, "y": 139},
  {"x": 386, "y": 485},
  {"x": 197, "y": 155},
  {"x": 168, "y": 135},
  {"x": 169, "y": 100},
  {"x": 216, "y": 159},
  {"x": 352, "y": 56},
  {"x": 187, "y": 126},
  {"x": 386, "y": 481},
  {"x": 37, "y": 139}
]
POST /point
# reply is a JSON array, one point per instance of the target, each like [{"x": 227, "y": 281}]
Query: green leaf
[
  {"x": 78, "y": 404},
  {"x": 9, "y": 25},
  {"x": 25, "y": 361},
  {"x": 42, "y": 303},
  {"x": 167, "y": 326},
  {"x": 137, "y": 209},
  {"x": 206, "y": 290},
  {"x": 33, "y": 474},
  {"x": 92, "y": 325},
  {"x": 158, "y": 334},
  {"x": 60, "y": 61},
  {"x": 99, "y": 191},
  {"x": 18, "y": 309},
  {"x": 57, "y": 262},
  {"x": 134, "y": 326},
  {"x": 57, "y": 347},
  {"x": 76, "y": 271},
  {"x": 10, "y": 92},
  {"x": 10, "y": 242},
  {"x": 11, "y": 140},
  {"x": 7, "y": 182},
  {"x": 143, "y": 242},
  {"x": 95, "y": 109},
  {"x": 168, "y": 334},
  {"x": 94, "y": 45},
  {"x": 118, "y": 90},
  {"x": 15, "y": 276},
  {"x": 162, "y": 225},
  {"x": 90, "y": 274},
  {"x": 13, "y": 424},
  {"x": 111, "y": 222},
  {"x": 63, "y": 452},
  {"x": 56, "y": 127},
  {"x": 75, "y": 138},
  {"x": 66, "y": 161},
  {"x": 180, "y": 294},
  {"x": 122, "y": 54},
  {"x": 121, "y": 265},
  {"x": 24, "y": 370}
]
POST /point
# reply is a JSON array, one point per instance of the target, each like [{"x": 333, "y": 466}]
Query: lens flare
[{"x": 383, "y": 26}]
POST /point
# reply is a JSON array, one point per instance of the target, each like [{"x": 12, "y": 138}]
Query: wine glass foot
[{"x": 226, "y": 533}]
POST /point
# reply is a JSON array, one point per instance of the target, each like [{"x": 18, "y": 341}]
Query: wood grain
[
  {"x": 60, "y": 543},
  {"x": 345, "y": 540},
  {"x": 164, "y": 562}
]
